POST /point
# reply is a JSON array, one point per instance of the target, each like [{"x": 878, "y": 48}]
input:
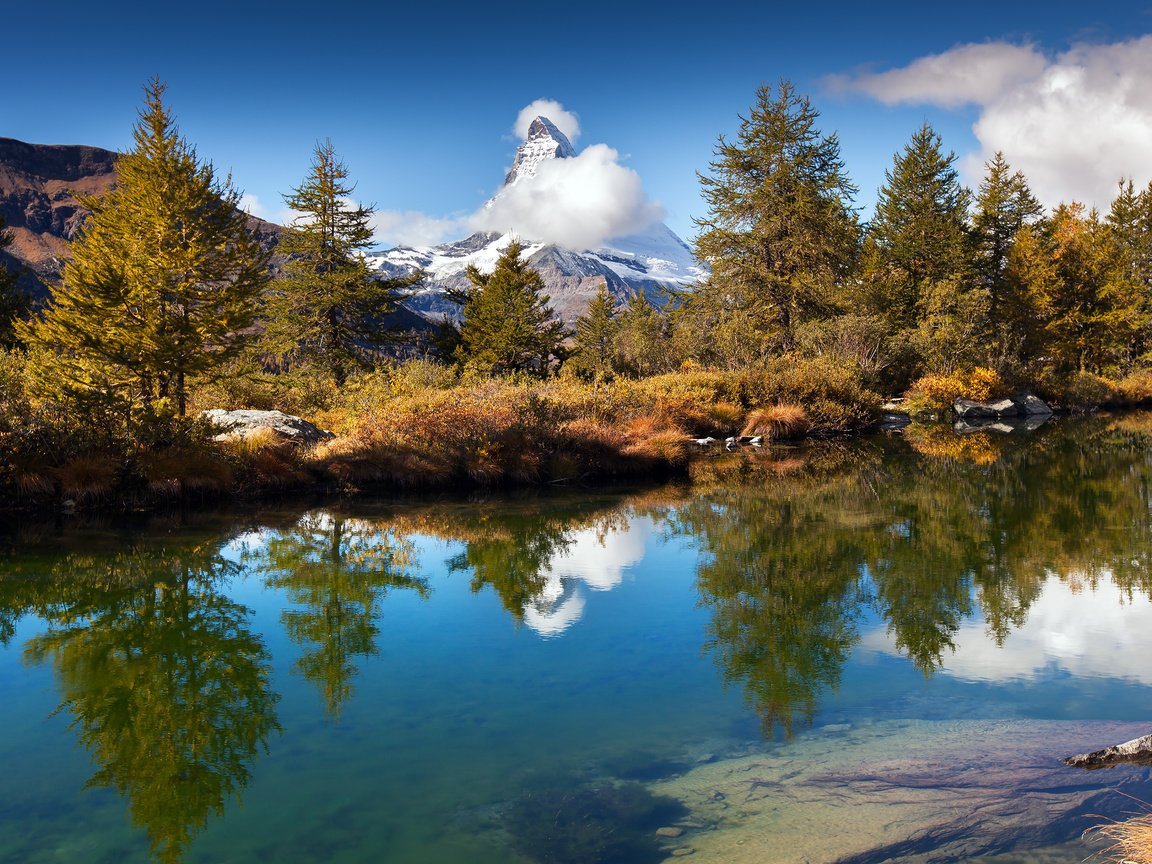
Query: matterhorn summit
[
  {"x": 544, "y": 142},
  {"x": 643, "y": 260}
]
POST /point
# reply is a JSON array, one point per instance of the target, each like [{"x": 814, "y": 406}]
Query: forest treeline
[{"x": 169, "y": 307}]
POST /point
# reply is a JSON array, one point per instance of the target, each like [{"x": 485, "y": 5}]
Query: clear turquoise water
[{"x": 391, "y": 681}]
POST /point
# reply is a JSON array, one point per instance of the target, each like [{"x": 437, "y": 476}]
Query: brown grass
[
  {"x": 174, "y": 473},
  {"x": 1131, "y": 840},
  {"x": 87, "y": 478},
  {"x": 419, "y": 425},
  {"x": 778, "y": 422}
]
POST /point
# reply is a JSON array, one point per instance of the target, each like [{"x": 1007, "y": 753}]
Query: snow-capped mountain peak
[
  {"x": 643, "y": 262},
  {"x": 544, "y": 142}
]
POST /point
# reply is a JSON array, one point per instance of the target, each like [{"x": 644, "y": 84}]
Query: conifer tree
[
  {"x": 594, "y": 346},
  {"x": 1088, "y": 314},
  {"x": 916, "y": 266},
  {"x": 1131, "y": 220},
  {"x": 1004, "y": 205},
  {"x": 328, "y": 308},
  {"x": 781, "y": 231},
  {"x": 508, "y": 325},
  {"x": 164, "y": 279},
  {"x": 13, "y": 301},
  {"x": 919, "y": 229},
  {"x": 643, "y": 343}
]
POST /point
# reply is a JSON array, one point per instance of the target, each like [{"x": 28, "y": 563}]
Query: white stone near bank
[{"x": 245, "y": 423}]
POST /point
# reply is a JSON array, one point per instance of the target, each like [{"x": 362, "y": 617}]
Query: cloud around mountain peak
[
  {"x": 577, "y": 202},
  {"x": 566, "y": 121}
]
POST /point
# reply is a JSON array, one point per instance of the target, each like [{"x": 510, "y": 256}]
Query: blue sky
[{"x": 420, "y": 99}]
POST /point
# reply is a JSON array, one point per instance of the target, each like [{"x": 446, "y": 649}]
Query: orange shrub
[
  {"x": 938, "y": 392},
  {"x": 777, "y": 422}
]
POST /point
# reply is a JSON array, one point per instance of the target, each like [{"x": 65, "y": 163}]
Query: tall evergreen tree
[
  {"x": 594, "y": 346},
  {"x": 1004, "y": 205},
  {"x": 164, "y": 279},
  {"x": 328, "y": 308},
  {"x": 643, "y": 343},
  {"x": 915, "y": 263},
  {"x": 508, "y": 325},
  {"x": 13, "y": 301},
  {"x": 919, "y": 229},
  {"x": 1131, "y": 220},
  {"x": 781, "y": 231}
]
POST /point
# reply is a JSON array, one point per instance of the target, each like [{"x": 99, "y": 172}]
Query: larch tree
[
  {"x": 1004, "y": 205},
  {"x": 916, "y": 264},
  {"x": 13, "y": 301},
  {"x": 165, "y": 278},
  {"x": 329, "y": 308},
  {"x": 1131, "y": 220},
  {"x": 508, "y": 325},
  {"x": 594, "y": 345},
  {"x": 643, "y": 343},
  {"x": 1087, "y": 312},
  {"x": 781, "y": 232}
]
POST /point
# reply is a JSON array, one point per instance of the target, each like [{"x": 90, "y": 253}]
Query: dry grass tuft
[
  {"x": 1131, "y": 840},
  {"x": 778, "y": 422},
  {"x": 172, "y": 473},
  {"x": 87, "y": 478}
]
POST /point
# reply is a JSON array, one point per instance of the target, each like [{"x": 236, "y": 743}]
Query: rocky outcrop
[
  {"x": 247, "y": 423},
  {"x": 1024, "y": 405},
  {"x": 1138, "y": 751}
]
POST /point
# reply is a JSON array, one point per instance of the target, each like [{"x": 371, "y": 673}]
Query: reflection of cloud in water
[
  {"x": 1085, "y": 632},
  {"x": 592, "y": 557}
]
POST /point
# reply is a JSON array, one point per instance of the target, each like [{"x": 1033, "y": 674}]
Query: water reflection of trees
[
  {"x": 336, "y": 571},
  {"x": 794, "y": 559},
  {"x": 166, "y": 684}
]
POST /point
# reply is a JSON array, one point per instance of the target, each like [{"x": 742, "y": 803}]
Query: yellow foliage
[{"x": 938, "y": 392}]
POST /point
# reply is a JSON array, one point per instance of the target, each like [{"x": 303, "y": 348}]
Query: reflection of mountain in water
[{"x": 592, "y": 558}]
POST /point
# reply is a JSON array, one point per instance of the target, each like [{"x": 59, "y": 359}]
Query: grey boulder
[{"x": 245, "y": 423}]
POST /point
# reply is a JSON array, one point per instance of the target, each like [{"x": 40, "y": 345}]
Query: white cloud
[
  {"x": 577, "y": 203},
  {"x": 966, "y": 74},
  {"x": 1074, "y": 123},
  {"x": 564, "y": 120},
  {"x": 411, "y": 228},
  {"x": 252, "y": 205}
]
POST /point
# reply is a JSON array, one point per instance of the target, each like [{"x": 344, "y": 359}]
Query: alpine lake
[{"x": 865, "y": 650}]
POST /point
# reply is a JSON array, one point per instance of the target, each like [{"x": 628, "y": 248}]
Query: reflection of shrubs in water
[
  {"x": 605, "y": 824},
  {"x": 940, "y": 442}
]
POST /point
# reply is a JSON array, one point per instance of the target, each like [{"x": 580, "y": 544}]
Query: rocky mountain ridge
[{"x": 39, "y": 189}]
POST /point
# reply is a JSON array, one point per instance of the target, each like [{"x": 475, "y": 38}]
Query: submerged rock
[
  {"x": 605, "y": 824},
  {"x": 246, "y": 423}
]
